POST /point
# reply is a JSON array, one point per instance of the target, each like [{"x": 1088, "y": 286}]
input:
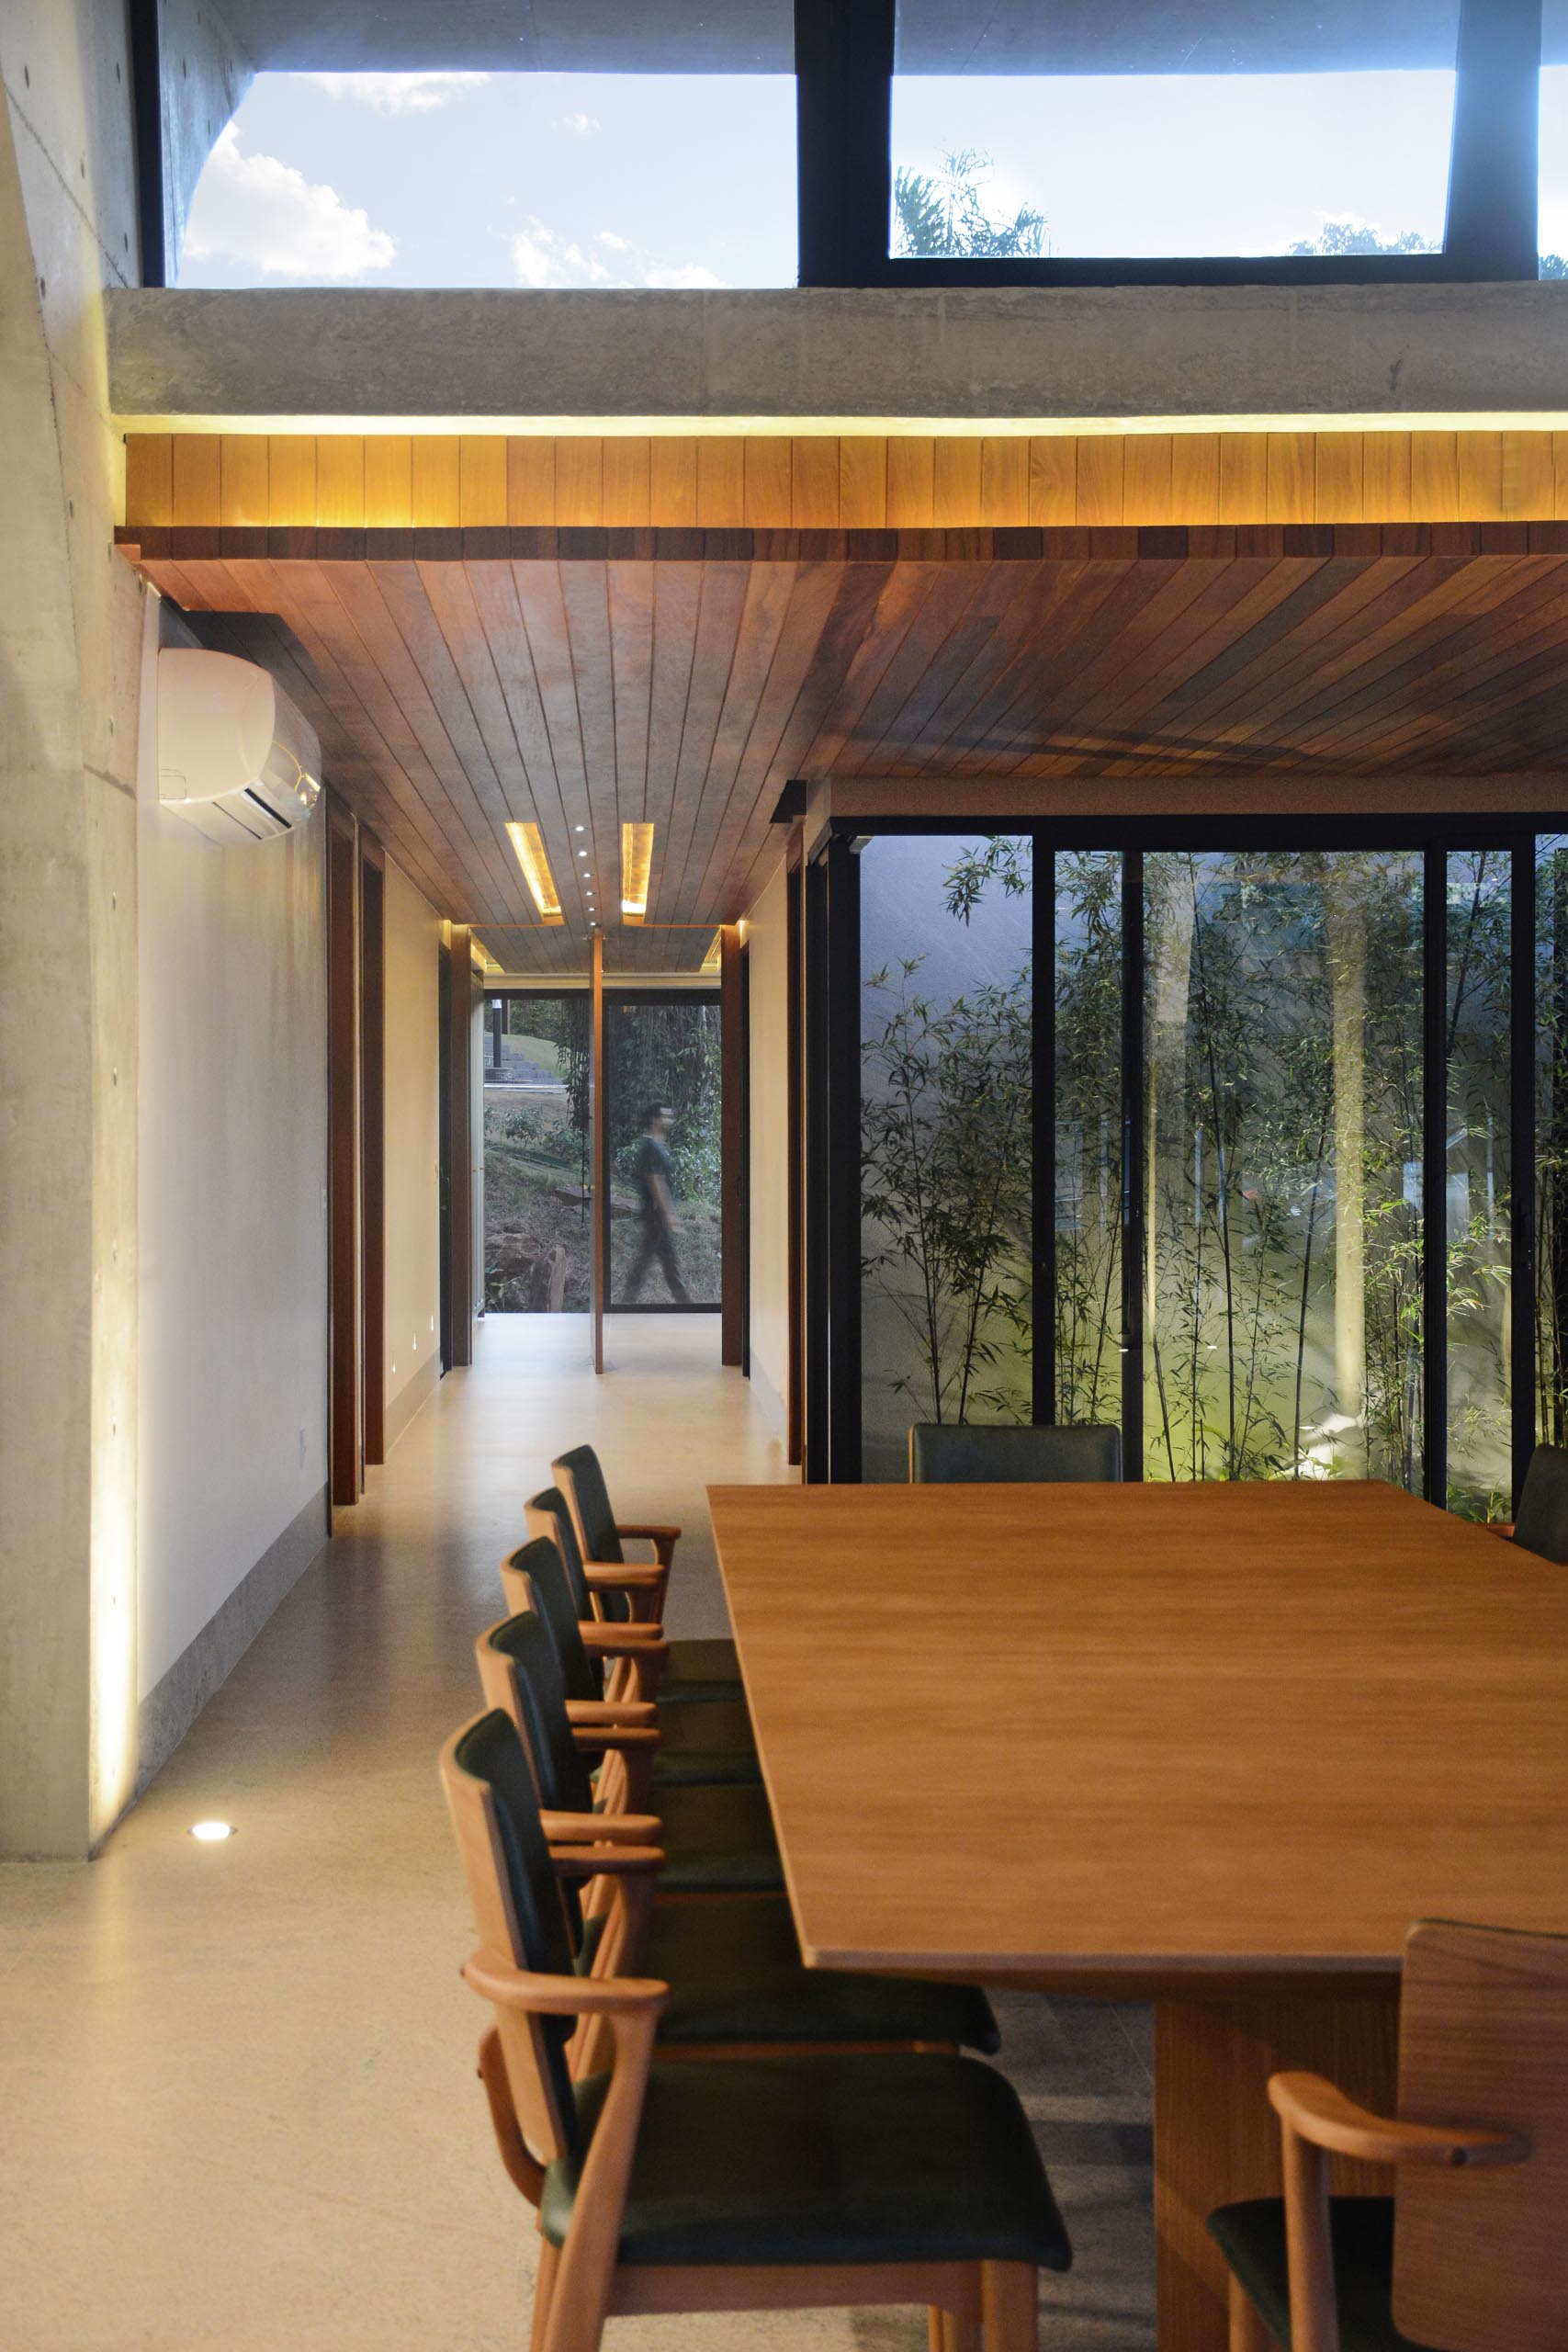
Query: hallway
[{"x": 238, "y": 2079}]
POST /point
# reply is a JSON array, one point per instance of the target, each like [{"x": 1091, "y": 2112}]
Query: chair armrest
[
  {"x": 562, "y": 1996},
  {"x": 635, "y": 1630},
  {"x": 1497, "y": 1527},
  {"x": 649, "y": 1529},
  {"x": 523, "y": 2167},
  {"x": 583, "y": 1714},
  {"x": 617, "y": 1739},
  {"x": 607, "y": 1861},
  {"x": 601, "y": 1828},
  {"x": 610, "y": 1641},
  {"x": 1322, "y": 2114},
  {"x": 614, "y": 1576}
]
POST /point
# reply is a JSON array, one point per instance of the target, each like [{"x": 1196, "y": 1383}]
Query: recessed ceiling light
[
  {"x": 577, "y": 829},
  {"x": 211, "y": 1833},
  {"x": 637, "y": 860},
  {"x": 528, "y": 842}
]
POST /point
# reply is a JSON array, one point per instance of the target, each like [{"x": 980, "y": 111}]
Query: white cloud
[
  {"x": 582, "y": 125},
  {"x": 258, "y": 210},
  {"x": 397, "y": 93},
  {"x": 691, "y": 275},
  {"x": 541, "y": 257}
]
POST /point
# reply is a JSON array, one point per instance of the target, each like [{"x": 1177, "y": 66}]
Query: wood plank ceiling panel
[{"x": 593, "y": 681}]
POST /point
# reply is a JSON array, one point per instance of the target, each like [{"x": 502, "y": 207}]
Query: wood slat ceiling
[{"x": 684, "y": 678}]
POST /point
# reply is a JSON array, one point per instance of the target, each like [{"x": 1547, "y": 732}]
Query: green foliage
[
  {"x": 943, "y": 216},
  {"x": 946, "y": 1188},
  {"x": 1356, "y": 237}
]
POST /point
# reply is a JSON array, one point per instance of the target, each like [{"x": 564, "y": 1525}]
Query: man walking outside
[{"x": 654, "y": 1172}]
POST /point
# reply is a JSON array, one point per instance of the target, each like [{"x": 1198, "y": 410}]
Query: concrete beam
[{"x": 1024, "y": 355}]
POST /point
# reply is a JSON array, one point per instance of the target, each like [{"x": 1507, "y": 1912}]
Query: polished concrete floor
[{"x": 237, "y": 2081}]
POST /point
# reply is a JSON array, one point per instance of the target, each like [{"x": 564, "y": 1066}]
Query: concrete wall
[
  {"x": 70, "y": 624},
  {"x": 70, "y": 616},
  {"x": 233, "y": 1242},
  {"x": 412, "y": 1148},
  {"x": 766, "y": 942}
]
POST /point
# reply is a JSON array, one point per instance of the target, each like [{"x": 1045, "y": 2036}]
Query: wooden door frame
[
  {"x": 794, "y": 1145},
  {"x": 345, "y": 1462},
  {"x": 732, "y": 1148},
  {"x": 460, "y": 1173},
  {"x": 598, "y": 1155},
  {"x": 372, "y": 1143}
]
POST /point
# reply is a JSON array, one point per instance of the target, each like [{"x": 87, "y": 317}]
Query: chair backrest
[
  {"x": 581, "y": 1481},
  {"x": 1542, "y": 1521},
  {"x": 535, "y": 1576},
  {"x": 520, "y": 1669},
  {"x": 1481, "y": 2256},
  {"x": 518, "y": 1912},
  {"x": 953, "y": 1453},
  {"x": 549, "y": 1514}
]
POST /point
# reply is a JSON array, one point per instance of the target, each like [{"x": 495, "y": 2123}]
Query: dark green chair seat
[
  {"x": 735, "y": 1972},
  {"x": 704, "y": 1669},
  {"x": 718, "y": 1840},
  {"x": 705, "y": 1744},
  {"x": 792, "y": 2161},
  {"x": 1252, "y": 2239}
]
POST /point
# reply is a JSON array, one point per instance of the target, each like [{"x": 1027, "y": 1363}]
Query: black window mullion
[
  {"x": 819, "y": 1296},
  {"x": 147, "y": 110},
  {"x": 843, "y": 1077},
  {"x": 1134, "y": 1174},
  {"x": 1494, "y": 169},
  {"x": 1522, "y": 1156},
  {"x": 1434, "y": 1179},
  {"x": 844, "y": 100},
  {"x": 1043, "y": 1036}
]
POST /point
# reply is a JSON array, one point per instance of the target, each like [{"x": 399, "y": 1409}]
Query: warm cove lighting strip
[
  {"x": 636, "y": 863},
  {"x": 528, "y": 842},
  {"x": 713, "y": 960}
]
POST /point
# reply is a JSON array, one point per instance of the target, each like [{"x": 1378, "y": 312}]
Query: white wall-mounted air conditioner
[{"x": 235, "y": 758}]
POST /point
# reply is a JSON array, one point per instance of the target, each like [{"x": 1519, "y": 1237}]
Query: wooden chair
[
  {"x": 777, "y": 2183},
  {"x": 706, "y": 1669},
  {"x": 732, "y": 1963},
  {"x": 717, "y": 1837},
  {"x": 697, "y": 1744},
  {"x": 951, "y": 1454},
  {"x": 1542, "y": 1523},
  {"x": 1470, "y": 2252}
]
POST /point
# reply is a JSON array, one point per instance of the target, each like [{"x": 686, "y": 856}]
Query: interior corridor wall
[
  {"x": 233, "y": 1242},
  {"x": 412, "y": 941},
  {"x": 767, "y": 948}
]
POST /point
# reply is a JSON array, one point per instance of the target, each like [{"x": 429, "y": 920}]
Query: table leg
[{"x": 1217, "y": 2139}]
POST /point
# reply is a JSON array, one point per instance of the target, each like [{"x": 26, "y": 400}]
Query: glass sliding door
[
  {"x": 1087, "y": 956},
  {"x": 946, "y": 1118},
  {"x": 1478, "y": 1163},
  {"x": 537, "y": 1204},
  {"x": 662, "y": 1104},
  {"x": 1550, "y": 1303},
  {"x": 1259, "y": 1155},
  {"x": 1282, "y": 1165}
]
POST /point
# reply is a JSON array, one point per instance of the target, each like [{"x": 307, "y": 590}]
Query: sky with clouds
[{"x": 672, "y": 180}]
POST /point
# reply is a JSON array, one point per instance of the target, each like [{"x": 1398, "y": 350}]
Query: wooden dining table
[{"x": 1216, "y": 1747}]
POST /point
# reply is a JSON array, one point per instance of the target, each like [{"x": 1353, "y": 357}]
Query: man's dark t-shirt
[{"x": 652, "y": 1161}]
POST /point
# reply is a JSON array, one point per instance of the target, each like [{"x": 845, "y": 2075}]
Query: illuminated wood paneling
[
  {"x": 589, "y": 674},
  {"x": 914, "y": 481}
]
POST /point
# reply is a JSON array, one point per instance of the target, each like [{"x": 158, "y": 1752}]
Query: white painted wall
[
  {"x": 412, "y": 1143},
  {"x": 233, "y": 1208},
  {"x": 767, "y": 944}
]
